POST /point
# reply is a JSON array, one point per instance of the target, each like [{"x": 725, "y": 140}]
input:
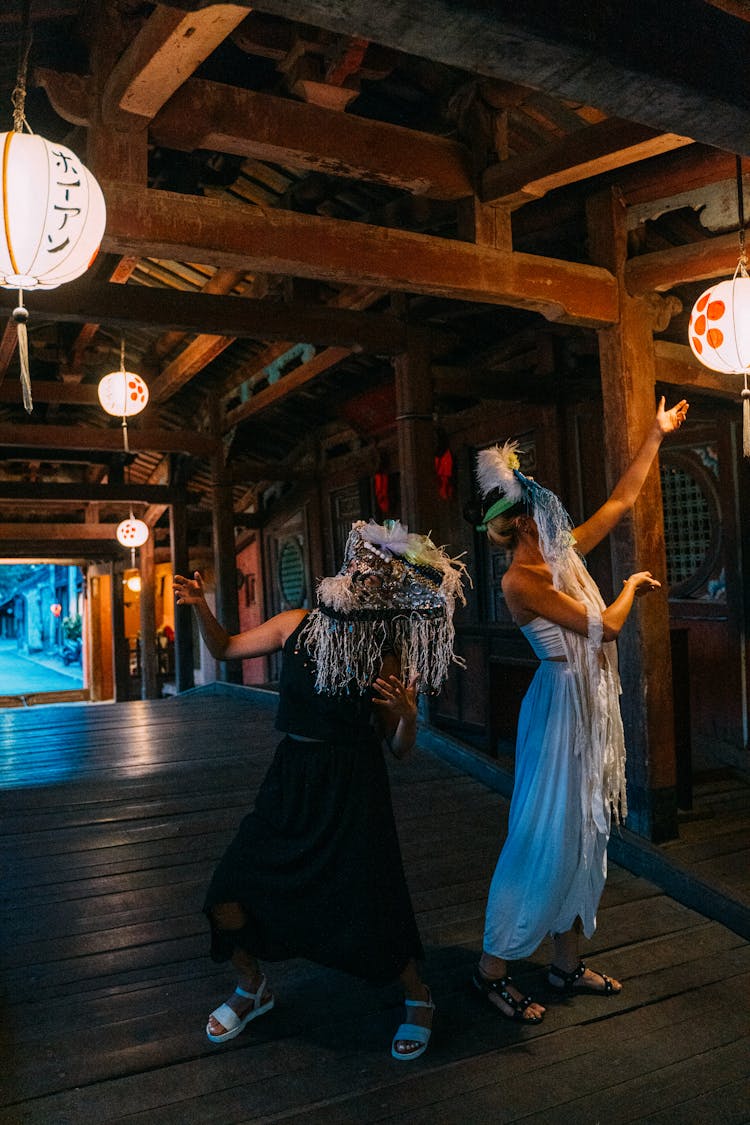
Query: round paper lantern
[
  {"x": 719, "y": 330},
  {"x": 53, "y": 214},
  {"x": 134, "y": 583},
  {"x": 132, "y": 532},
  {"x": 123, "y": 393}
]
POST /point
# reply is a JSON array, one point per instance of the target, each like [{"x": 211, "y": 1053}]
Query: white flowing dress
[{"x": 553, "y": 865}]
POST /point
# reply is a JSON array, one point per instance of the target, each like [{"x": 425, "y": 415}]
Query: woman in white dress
[{"x": 570, "y": 754}]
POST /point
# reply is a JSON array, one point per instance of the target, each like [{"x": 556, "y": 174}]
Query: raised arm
[
  {"x": 625, "y": 492},
  {"x": 264, "y": 639}
]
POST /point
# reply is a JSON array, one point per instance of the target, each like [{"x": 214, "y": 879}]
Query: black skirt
[{"x": 316, "y": 866}]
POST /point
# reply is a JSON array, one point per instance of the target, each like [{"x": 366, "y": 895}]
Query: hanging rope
[
  {"x": 742, "y": 271},
  {"x": 18, "y": 97}
]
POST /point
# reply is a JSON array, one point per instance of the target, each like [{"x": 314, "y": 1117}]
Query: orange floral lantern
[
  {"x": 123, "y": 393},
  {"x": 132, "y": 532},
  {"x": 719, "y": 335}
]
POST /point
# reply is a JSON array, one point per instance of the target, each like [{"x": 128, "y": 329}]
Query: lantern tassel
[
  {"x": 746, "y": 419},
  {"x": 20, "y": 316}
]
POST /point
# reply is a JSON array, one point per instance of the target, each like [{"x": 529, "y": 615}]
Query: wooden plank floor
[{"x": 112, "y": 816}]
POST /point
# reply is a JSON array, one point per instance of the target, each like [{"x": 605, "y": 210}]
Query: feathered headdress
[
  {"x": 396, "y": 592},
  {"x": 503, "y": 485}
]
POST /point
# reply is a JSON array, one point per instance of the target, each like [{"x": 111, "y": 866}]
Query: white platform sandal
[
  {"x": 413, "y": 1032},
  {"x": 234, "y": 1024}
]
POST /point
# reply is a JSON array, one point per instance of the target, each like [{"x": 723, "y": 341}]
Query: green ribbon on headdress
[{"x": 496, "y": 509}]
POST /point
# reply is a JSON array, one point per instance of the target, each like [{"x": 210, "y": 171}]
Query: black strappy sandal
[
  {"x": 570, "y": 988},
  {"x": 500, "y": 986}
]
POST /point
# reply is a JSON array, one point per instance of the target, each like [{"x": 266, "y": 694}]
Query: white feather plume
[
  {"x": 393, "y": 536},
  {"x": 495, "y": 470}
]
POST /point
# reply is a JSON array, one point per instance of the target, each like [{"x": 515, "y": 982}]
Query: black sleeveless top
[{"x": 311, "y": 714}]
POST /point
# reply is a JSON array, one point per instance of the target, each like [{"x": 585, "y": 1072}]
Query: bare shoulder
[
  {"x": 521, "y": 585},
  {"x": 285, "y": 623}
]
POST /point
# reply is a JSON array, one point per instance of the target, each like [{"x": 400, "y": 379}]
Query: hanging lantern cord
[
  {"x": 124, "y": 417},
  {"x": 741, "y": 218},
  {"x": 18, "y": 97}
]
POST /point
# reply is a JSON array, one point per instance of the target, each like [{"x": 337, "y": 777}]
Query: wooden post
[
  {"x": 120, "y": 653},
  {"x": 416, "y": 435},
  {"x": 183, "y": 627},
  {"x": 147, "y": 604},
  {"x": 225, "y": 565},
  {"x": 628, "y": 376}
]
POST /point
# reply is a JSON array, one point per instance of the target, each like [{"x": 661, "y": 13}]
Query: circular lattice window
[
  {"x": 691, "y": 523},
  {"x": 291, "y": 571}
]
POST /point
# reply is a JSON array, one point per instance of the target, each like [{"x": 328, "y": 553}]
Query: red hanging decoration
[
  {"x": 382, "y": 497},
  {"x": 444, "y": 472}
]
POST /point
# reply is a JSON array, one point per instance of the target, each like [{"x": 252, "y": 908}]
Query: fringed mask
[{"x": 394, "y": 593}]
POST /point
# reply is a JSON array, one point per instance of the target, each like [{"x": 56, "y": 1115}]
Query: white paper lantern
[
  {"x": 132, "y": 532},
  {"x": 53, "y": 214},
  {"x": 719, "y": 335},
  {"x": 719, "y": 330},
  {"x": 123, "y": 393}
]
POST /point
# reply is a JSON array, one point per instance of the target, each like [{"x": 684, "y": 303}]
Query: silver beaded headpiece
[{"x": 396, "y": 593}]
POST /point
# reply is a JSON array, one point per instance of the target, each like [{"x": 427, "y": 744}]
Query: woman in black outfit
[{"x": 315, "y": 869}]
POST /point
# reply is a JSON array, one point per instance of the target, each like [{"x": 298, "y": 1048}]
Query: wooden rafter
[
  {"x": 169, "y": 47},
  {"x": 324, "y": 361},
  {"x": 297, "y": 135},
  {"x": 681, "y": 264},
  {"x": 168, "y": 225},
  {"x": 244, "y": 318},
  {"x": 56, "y": 531},
  {"x": 589, "y": 152},
  {"x": 31, "y": 436},
  {"x": 70, "y": 493}
]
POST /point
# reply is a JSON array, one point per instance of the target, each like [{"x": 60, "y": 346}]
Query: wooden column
[
  {"x": 416, "y": 435},
  {"x": 225, "y": 564},
  {"x": 628, "y": 391},
  {"x": 147, "y": 603},
  {"x": 183, "y": 626},
  {"x": 120, "y": 653}
]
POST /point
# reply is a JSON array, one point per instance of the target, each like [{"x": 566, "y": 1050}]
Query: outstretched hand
[
  {"x": 644, "y": 582},
  {"x": 395, "y": 697},
  {"x": 188, "y": 591},
  {"x": 667, "y": 421}
]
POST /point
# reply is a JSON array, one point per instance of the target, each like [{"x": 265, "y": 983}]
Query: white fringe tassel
[
  {"x": 349, "y": 653},
  {"x": 21, "y": 315}
]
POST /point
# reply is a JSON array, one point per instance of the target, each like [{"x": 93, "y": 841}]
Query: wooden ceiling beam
[
  {"x": 589, "y": 152},
  {"x": 56, "y": 531},
  {"x": 191, "y": 360},
  {"x": 324, "y": 361},
  {"x": 71, "y": 393},
  {"x": 69, "y": 493},
  {"x": 680, "y": 265},
  {"x": 241, "y": 317},
  {"x": 293, "y": 134},
  {"x": 515, "y": 45},
  {"x": 167, "y": 225},
  {"x": 31, "y": 436},
  {"x": 169, "y": 47}
]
